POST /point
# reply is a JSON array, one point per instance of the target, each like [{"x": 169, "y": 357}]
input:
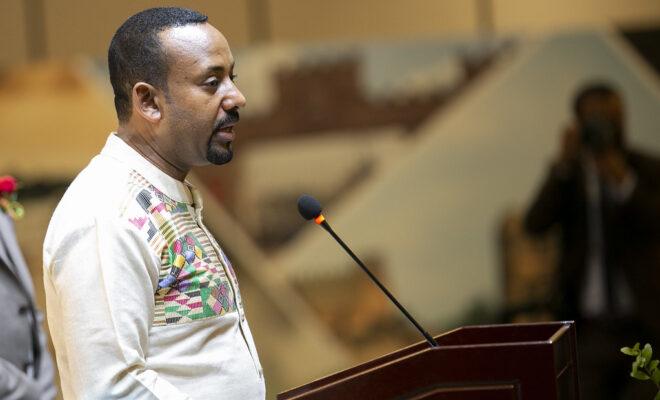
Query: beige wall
[
  {"x": 12, "y": 32},
  {"x": 349, "y": 19},
  {"x": 81, "y": 27},
  {"x": 536, "y": 15},
  {"x": 85, "y": 27}
]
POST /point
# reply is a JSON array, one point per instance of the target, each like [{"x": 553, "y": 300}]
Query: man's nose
[{"x": 234, "y": 99}]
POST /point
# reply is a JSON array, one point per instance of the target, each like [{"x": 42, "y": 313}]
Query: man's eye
[{"x": 212, "y": 82}]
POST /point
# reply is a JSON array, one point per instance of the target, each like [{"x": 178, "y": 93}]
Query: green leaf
[
  {"x": 653, "y": 365},
  {"x": 657, "y": 396},
  {"x": 642, "y": 376},
  {"x": 635, "y": 365},
  {"x": 647, "y": 352},
  {"x": 628, "y": 351},
  {"x": 655, "y": 377}
]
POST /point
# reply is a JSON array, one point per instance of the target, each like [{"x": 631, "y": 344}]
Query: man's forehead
[{"x": 194, "y": 41}]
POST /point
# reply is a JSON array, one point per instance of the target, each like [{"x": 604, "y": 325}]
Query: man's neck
[{"x": 150, "y": 151}]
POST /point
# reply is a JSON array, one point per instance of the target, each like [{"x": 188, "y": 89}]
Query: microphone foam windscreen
[{"x": 309, "y": 207}]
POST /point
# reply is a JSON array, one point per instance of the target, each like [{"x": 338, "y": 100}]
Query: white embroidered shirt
[{"x": 142, "y": 303}]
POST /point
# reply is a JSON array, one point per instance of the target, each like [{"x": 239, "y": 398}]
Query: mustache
[{"x": 231, "y": 117}]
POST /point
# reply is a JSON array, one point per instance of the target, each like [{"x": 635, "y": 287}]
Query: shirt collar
[{"x": 116, "y": 148}]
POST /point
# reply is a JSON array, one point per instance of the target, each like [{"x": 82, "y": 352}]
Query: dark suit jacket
[
  {"x": 631, "y": 235},
  {"x": 23, "y": 351}
]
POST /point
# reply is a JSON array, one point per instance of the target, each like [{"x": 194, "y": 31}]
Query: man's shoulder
[
  {"x": 96, "y": 189},
  {"x": 104, "y": 190},
  {"x": 106, "y": 195}
]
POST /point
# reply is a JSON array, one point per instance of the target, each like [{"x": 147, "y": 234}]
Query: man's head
[
  {"x": 598, "y": 110},
  {"x": 172, "y": 75}
]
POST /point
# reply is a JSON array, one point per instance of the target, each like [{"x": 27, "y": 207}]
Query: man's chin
[{"x": 219, "y": 156}]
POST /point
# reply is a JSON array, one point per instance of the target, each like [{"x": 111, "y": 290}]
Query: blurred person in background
[
  {"x": 605, "y": 199},
  {"x": 142, "y": 301},
  {"x": 26, "y": 369}
]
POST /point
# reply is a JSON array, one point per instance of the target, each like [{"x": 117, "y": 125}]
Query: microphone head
[{"x": 309, "y": 207}]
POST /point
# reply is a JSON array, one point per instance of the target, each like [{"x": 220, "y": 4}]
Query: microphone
[{"x": 310, "y": 208}]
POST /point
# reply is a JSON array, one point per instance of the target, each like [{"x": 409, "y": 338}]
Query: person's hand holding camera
[
  {"x": 598, "y": 139},
  {"x": 602, "y": 138},
  {"x": 570, "y": 150}
]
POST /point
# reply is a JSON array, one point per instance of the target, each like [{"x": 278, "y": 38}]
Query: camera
[{"x": 599, "y": 134}]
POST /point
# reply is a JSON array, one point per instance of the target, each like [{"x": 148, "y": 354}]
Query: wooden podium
[{"x": 493, "y": 362}]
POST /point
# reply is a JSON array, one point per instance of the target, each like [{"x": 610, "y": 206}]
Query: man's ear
[{"x": 146, "y": 101}]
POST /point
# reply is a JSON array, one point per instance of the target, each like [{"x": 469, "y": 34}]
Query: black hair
[
  {"x": 135, "y": 53},
  {"x": 592, "y": 89}
]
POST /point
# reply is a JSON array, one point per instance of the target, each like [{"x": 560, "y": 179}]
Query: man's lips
[
  {"x": 226, "y": 133},
  {"x": 224, "y": 129}
]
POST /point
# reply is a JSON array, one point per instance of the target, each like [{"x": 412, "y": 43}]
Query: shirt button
[{"x": 22, "y": 310}]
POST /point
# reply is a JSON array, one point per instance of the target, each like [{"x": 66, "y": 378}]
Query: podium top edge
[{"x": 552, "y": 331}]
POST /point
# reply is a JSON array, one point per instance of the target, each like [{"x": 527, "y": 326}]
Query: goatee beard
[{"x": 219, "y": 156}]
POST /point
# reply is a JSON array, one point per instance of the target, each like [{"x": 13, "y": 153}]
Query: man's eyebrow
[{"x": 219, "y": 68}]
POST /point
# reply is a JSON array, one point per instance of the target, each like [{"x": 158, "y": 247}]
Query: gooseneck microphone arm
[
  {"x": 310, "y": 208},
  {"x": 355, "y": 258}
]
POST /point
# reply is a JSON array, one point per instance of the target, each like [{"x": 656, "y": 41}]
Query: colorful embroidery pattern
[{"x": 192, "y": 283}]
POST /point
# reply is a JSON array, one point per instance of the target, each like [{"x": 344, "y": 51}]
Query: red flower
[{"x": 8, "y": 184}]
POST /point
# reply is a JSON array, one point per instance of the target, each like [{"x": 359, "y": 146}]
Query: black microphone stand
[{"x": 355, "y": 258}]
